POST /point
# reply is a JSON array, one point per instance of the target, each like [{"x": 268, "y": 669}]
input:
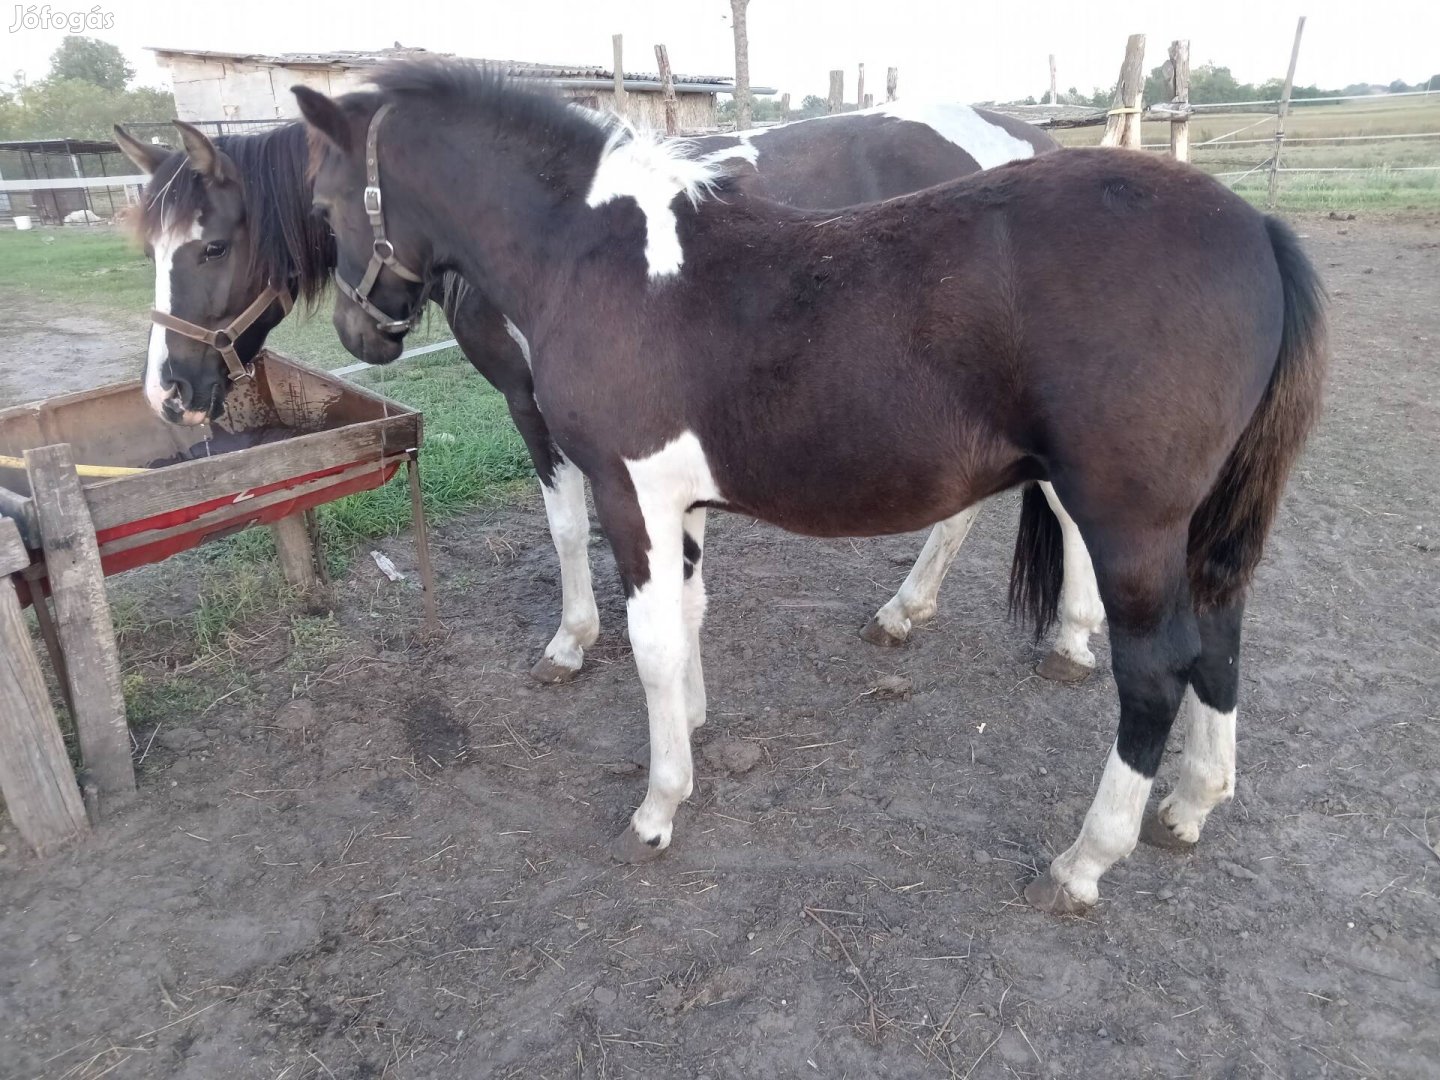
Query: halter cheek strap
[
  {"x": 223, "y": 340},
  {"x": 382, "y": 251}
]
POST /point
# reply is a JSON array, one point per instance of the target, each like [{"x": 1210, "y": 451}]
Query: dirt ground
[
  {"x": 51, "y": 351},
  {"x": 384, "y": 859}
]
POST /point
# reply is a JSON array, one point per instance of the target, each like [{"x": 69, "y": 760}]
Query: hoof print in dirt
[
  {"x": 1156, "y": 833},
  {"x": 1048, "y": 895},
  {"x": 629, "y": 848},
  {"x": 1062, "y": 669},
  {"x": 731, "y": 756},
  {"x": 892, "y": 688},
  {"x": 876, "y": 634},
  {"x": 550, "y": 673}
]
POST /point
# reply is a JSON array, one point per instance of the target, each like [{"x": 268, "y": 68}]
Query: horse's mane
[{"x": 288, "y": 241}]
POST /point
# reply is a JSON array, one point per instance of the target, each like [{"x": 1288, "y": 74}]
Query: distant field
[{"x": 1379, "y": 186}]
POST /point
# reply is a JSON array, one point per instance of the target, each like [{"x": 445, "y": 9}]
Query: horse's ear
[
  {"x": 204, "y": 158},
  {"x": 322, "y": 114},
  {"x": 148, "y": 157}
]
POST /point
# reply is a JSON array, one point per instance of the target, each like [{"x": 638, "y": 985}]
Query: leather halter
[
  {"x": 223, "y": 340},
  {"x": 382, "y": 251}
]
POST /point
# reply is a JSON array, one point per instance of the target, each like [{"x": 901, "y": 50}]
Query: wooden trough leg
[
  {"x": 297, "y": 553},
  {"x": 40, "y": 604},
  {"x": 35, "y": 776},
  {"x": 422, "y": 546},
  {"x": 92, "y": 662}
]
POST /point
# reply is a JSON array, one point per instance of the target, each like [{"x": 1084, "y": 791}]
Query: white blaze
[{"x": 166, "y": 247}]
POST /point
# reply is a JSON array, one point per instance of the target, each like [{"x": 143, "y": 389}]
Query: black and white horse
[
  {"x": 1120, "y": 325},
  {"x": 228, "y": 219}
]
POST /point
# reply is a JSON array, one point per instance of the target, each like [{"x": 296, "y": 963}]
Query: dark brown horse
[
  {"x": 230, "y": 218},
  {"x": 1122, "y": 326}
]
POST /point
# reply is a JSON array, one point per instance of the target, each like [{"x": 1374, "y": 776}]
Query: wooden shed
[{"x": 215, "y": 87}]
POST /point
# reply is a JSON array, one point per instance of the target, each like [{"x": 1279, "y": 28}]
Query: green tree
[
  {"x": 73, "y": 109},
  {"x": 88, "y": 60},
  {"x": 814, "y": 106}
]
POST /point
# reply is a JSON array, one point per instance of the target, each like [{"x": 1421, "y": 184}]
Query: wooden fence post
[
  {"x": 837, "y": 91},
  {"x": 892, "y": 80},
  {"x": 1122, "y": 127},
  {"x": 743, "y": 101},
  {"x": 1054, "y": 92},
  {"x": 296, "y": 551},
  {"x": 785, "y": 106},
  {"x": 617, "y": 46},
  {"x": 860, "y": 89},
  {"x": 1284, "y": 111},
  {"x": 72, "y": 565},
  {"x": 36, "y": 780},
  {"x": 1180, "y": 100},
  {"x": 667, "y": 91}
]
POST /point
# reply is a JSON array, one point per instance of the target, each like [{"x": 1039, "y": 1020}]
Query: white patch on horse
[
  {"x": 1081, "y": 612},
  {"x": 667, "y": 484},
  {"x": 1207, "y": 769},
  {"x": 166, "y": 247},
  {"x": 915, "y": 602},
  {"x": 1110, "y": 832},
  {"x": 988, "y": 143},
  {"x": 637, "y": 165},
  {"x": 570, "y": 529},
  {"x": 519, "y": 339},
  {"x": 745, "y": 151}
]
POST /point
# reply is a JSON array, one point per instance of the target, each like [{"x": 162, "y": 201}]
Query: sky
[{"x": 945, "y": 49}]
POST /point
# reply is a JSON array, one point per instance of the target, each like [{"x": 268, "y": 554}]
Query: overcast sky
[{"x": 944, "y": 49}]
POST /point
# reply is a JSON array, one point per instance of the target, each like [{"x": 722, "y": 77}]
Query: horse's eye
[{"x": 216, "y": 249}]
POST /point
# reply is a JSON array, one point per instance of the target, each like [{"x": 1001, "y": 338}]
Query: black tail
[
  {"x": 1227, "y": 532},
  {"x": 1039, "y": 564}
]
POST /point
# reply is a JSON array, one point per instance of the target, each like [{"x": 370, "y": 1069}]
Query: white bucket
[{"x": 22, "y": 222}]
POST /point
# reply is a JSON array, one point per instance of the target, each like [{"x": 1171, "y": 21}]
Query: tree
[
  {"x": 87, "y": 60},
  {"x": 742, "y": 64},
  {"x": 811, "y": 105},
  {"x": 74, "y": 109}
]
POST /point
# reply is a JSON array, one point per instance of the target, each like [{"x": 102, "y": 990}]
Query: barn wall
[{"x": 209, "y": 88}]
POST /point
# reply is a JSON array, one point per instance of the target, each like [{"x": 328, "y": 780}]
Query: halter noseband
[
  {"x": 223, "y": 340},
  {"x": 382, "y": 252}
]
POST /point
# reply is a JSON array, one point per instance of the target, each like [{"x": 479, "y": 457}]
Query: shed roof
[{"x": 520, "y": 69}]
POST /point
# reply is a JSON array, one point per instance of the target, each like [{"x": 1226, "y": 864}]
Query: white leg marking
[
  {"x": 695, "y": 604},
  {"x": 638, "y": 166},
  {"x": 1081, "y": 612},
  {"x": 166, "y": 247},
  {"x": 667, "y": 484},
  {"x": 1207, "y": 769},
  {"x": 570, "y": 529},
  {"x": 519, "y": 339},
  {"x": 1110, "y": 832},
  {"x": 915, "y": 602}
]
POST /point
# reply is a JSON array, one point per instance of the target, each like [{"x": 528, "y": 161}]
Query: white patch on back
[
  {"x": 519, "y": 339},
  {"x": 638, "y": 166},
  {"x": 989, "y": 144},
  {"x": 746, "y": 151},
  {"x": 166, "y": 247}
]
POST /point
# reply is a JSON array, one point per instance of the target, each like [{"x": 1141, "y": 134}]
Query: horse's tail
[
  {"x": 1227, "y": 532},
  {"x": 1038, "y": 568}
]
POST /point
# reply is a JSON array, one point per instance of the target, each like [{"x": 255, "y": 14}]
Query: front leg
[{"x": 579, "y": 618}]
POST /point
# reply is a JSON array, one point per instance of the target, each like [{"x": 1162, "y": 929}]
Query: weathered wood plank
[
  {"x": 1122, "y": 126},
  {"x": 35, "y": 775},
  {"x": 1283, "y": 112},
  {"x": 72, "y": 563},
  {"x": 835, "y": 101},
  {"x": 13, "y": 556},
  {"x": 297, "y": 556},
  {"x": 1180, "y": 84},
  {"x": 617, "y": 44},
  {"x": 667, "y": 91}
]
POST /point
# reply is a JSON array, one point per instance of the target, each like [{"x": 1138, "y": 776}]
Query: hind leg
[
  {"x": 693, "y": 605},
  {"x": 915, "y": 602},
  {"x": 1081, "y": 612},
  {"x": 1153, "y": 645},
  {"x": 1207, "y": 765}
]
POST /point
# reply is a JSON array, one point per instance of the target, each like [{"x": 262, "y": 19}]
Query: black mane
[
  {"x": 473, "y": 88},
  {"x": 288, "y": 240}
]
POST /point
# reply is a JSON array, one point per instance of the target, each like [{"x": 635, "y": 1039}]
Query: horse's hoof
[
  {"x": 629, "y": 848},
  {"x": 547, "y": 671},
  {"x": 1157, "y": 834},
  {"x": 1048, "y": 895},
  {"x": 1060, "y": 668},
  {"x": 876, "y": 634}
]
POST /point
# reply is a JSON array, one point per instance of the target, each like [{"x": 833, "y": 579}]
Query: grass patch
[
  {"x": 98, "y": 265},
  {"x": 149, "y": 701}
]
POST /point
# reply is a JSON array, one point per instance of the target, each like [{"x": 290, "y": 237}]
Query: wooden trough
[{"x": 94, "y": 483}]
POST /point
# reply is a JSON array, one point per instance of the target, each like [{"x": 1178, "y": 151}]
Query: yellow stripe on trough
[{"x": 7, "y": 462}]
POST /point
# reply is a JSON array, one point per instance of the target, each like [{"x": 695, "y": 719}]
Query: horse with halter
[
  {"x": 235, "y": 243},
  {"x": 871, "y": 370}
]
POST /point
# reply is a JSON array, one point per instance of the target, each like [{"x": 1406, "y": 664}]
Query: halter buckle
[{"x": 372, "y": 199}]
